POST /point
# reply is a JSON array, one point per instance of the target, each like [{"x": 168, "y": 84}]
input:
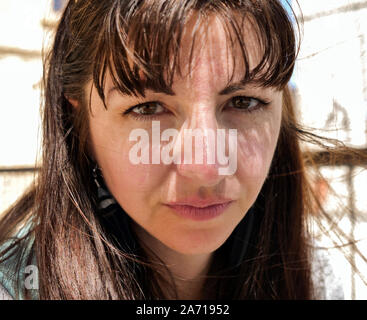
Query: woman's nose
[
  {"x": 206, "y": 175},
  {"x": 199, "y": 146}
]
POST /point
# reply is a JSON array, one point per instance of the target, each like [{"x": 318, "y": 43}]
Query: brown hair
[{"x": 75, "y": 255}]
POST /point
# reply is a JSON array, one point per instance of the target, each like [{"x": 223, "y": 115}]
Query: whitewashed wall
[
  {"x": 331, "y": 73},
  {"x": 24, "y": 32},
  {"x": 331, "y": 79}
]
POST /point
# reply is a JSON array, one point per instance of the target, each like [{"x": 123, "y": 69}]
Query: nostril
[{"x": 204, "y": 173}]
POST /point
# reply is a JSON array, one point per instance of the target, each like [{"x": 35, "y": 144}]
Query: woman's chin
[{"x": 196, "y": 243}]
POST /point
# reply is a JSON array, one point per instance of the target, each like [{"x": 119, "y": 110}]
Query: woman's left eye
[{"x": 247, "y": 104}]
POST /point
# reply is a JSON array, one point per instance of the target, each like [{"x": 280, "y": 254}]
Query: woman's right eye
[
  {"x": 146, "y": 111},
  {"x": 148, "y": 108}
]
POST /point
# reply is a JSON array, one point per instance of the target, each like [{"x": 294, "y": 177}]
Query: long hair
[{"x": 76, "y": 255}]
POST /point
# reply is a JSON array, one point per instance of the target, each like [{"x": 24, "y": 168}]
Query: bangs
[{"x": 140, "y": 42}]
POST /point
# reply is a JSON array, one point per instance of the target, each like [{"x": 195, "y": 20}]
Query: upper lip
[{"x": 198, "y": 202}]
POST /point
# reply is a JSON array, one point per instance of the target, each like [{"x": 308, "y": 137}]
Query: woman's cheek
[
  {"x": 255, "y": 151},
  {"x": 123, "y": 175}
]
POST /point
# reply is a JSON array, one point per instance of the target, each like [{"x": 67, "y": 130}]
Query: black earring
[
  {"x": 114, "y": 219},
  {"x": 95, "y": 175},
  {"x": 107, "y": 205}
]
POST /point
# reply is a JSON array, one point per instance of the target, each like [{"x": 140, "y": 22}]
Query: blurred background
[{"x": 329, "y": 86}]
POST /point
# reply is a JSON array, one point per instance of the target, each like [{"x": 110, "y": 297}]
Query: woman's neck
[
  {"x": 188, "y": 270},
  {"x": 189, "y": 273}
]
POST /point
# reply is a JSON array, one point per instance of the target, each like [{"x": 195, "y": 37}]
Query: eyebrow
[
  {"x": 229, "y": 89},
  {"x": 234, "y": 87}
]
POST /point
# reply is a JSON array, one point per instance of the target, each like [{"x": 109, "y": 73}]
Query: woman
[{"x": 111, "y": 216}]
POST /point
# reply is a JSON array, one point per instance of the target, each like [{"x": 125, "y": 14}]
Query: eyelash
[
  {"x": 261, "y": 104},
  {"x": 140, "y": 117}
]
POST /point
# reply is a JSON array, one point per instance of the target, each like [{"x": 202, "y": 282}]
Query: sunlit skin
[{"x": 143, "y": 190}]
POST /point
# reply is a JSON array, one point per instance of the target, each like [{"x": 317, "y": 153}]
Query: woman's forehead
[
  {"x": 209, "y": 52},
  {"x": 235, "y": 47},
  {"x": 211, "y": 49},
  {"x": 209, "y": 63}
]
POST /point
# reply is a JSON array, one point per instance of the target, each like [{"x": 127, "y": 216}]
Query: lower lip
[{"x": 200, "y": 214}]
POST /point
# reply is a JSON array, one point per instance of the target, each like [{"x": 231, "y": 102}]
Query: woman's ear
[{"x": 73, "y": 102}]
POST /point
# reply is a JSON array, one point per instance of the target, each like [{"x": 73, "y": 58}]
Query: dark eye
[
  {"x": 245, "y": 103},
  {"x": 147, "y": 109}
]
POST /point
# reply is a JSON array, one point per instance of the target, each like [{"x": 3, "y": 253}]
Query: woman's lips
[{"x": 200, "y": 212}]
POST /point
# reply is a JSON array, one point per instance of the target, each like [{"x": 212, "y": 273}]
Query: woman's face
[{"x": 206, "y": 98}]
